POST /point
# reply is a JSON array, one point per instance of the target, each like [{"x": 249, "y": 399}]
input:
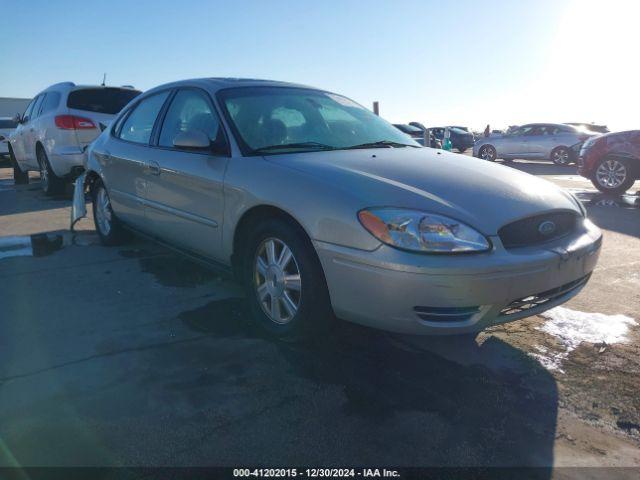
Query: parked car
[
  {"x": 414, "y": 132},
  {"x": 591, "y": 127},
  {"x": 323, "y": 208},
  {"x": 7, "y": 126},
  {"x": 435, "y": 143},
  {"x": 535, "y": 141},
  {"x": 417, "y": 134},
  {"x": 461, "y": 140},
  {"x": 611, "y": 161},
  {"x": 57, "y": 126}
]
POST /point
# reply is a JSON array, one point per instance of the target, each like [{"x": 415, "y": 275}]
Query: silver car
[
  {"x": 535, "y": 141},
  {"x": 323, "y": 209}
]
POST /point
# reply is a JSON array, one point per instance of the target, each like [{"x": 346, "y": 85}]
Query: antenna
[{"x": 104, "y": 79}]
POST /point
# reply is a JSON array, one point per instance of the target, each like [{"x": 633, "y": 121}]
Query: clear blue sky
[{"x": 440, "y": 62}]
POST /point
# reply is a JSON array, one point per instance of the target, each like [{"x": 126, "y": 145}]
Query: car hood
[{"x": 480, "y": 193}]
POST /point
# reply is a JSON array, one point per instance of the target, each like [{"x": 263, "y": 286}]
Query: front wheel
[
  {"x": 284, "y": 282},
  {"x": 487, "y": 152},
  {"x": 19, "y": 177},
  {"x": 561, "y": 156},
  {"x": 613, "y": 175}
]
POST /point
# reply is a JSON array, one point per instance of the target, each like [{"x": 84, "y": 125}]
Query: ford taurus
[{"x": 325, "y": 210}]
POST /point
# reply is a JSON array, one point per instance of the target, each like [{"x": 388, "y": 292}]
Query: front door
[{"x": 185, "y": 195}]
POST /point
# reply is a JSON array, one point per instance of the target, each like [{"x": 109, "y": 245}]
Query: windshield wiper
[
  {"x": 380, "y": 144},
  {"x": 309, "y": 145}
]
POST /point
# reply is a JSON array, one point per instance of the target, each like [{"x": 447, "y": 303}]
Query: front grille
[
  {"x": 533, "y": 301},
  {"x": 445, "y": 314},
  {"x": 528, "y": 231}
]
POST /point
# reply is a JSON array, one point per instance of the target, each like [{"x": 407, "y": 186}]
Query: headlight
[{"x": 421, "y": 231}]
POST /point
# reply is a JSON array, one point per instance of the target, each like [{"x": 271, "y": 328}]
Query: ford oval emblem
[{"x": 547, "y": 228}]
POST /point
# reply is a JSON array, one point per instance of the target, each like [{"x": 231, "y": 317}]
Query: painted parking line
[
  {"x": 15, "y": 247},
  {"x": 32, "y": 245}
]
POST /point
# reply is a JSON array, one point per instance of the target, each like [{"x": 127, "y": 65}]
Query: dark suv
[{"x": 611, "y": 161}]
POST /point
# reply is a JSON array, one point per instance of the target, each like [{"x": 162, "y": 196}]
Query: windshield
[{"x": 269, "y": 120}]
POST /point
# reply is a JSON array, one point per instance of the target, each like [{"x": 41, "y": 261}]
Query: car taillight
[{"x": 72, "y": 122}]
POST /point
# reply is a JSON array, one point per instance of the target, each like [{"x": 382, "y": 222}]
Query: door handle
[{"x": 154, "y": 168}]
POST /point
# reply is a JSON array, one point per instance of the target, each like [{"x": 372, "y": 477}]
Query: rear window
[
  {"x": 101, "y": 100},
  {"x": 8, "y": 124}
]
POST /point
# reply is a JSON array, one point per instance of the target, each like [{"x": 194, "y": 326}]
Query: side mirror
[
  {"x": 192, "y": 139},
  {"x": 17, "y": 118}
]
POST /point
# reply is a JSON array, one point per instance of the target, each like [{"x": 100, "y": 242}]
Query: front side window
[
  {"x": 190, "y": 110},
  {"x": 27, "y": 113},
  {"x": 138, "y": 126},
  {"x": 36, "y": 107},
  {"x": 287, "y": 119}
]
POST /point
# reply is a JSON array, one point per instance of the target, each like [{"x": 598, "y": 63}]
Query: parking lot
[{"x": 135, "y": 356}]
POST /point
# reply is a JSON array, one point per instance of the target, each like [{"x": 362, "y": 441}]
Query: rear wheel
[
  {"x": 613, "y": 175},
  {"x": 108, "y": 227},
  {"x": 19, "y": 177},
  {"x": 487, "y": 152},
  {"x": 51, "y": 183},
  {"x": 561, "y": 156},
  {"x": 462, "y": 150},
  {"x": 284, "y": 282}
]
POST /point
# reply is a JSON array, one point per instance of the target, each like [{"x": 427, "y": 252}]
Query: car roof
[
  {"x": 544, "y": 125},
  {"x": 213, "y": 84}
]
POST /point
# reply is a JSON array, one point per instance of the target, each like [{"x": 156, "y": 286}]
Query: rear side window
[
  {"x": 50, "y": 103},
  {"x": 138, "y": 125},
  {"x": 8, "y": 124},
  {"x": 101, "y": 100}
]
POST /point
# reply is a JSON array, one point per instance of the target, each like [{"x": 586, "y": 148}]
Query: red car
[{"x": 611, "y": 161}]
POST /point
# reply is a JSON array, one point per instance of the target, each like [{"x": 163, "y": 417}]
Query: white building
[{"x": 10, "y": 106}]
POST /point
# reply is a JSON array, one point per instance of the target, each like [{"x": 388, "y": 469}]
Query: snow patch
[{"x": 572, "y": 327}]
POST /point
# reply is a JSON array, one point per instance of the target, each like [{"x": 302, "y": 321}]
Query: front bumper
[{"x": 448, "y": 294}]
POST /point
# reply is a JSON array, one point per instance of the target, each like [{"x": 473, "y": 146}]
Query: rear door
[
  {"x": 98, "y": 104},
  {"x": 125, "y": 158},
  {"x": 185, "y": 198}
]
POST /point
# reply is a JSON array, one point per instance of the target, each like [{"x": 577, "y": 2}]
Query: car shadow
[
  {"x": 541, "y": 168},
  {"x": 17, "y": 199},
  {"x": 400, "y": 403}
]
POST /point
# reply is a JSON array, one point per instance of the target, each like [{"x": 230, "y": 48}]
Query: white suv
[{"x": 57, "y": 125}]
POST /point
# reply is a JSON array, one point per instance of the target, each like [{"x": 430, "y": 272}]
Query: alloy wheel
[
  {"x": 44, "y": 172},
  {"x": 561, "y": 156},
  {"x": 103, "y": 212},
  {"x": 487, "y": 153},
  {"x": 277, "y": 281},
  {"x": 611, "y": 173}
]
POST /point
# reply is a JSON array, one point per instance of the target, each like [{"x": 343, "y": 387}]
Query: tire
[
  {"x": 561, "y": 156},
  {"x": 462, "y": 150},
  {"x": 19, "y": 177},
  {"x": 108, "y": 227},
  {"x": 293, "y": 311},
  {"x": 613, "y": 175},
  {"x": 51, "y": 183},
  {"x": 488, "y": 152}
]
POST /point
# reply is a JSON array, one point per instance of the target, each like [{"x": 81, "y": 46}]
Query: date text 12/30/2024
[{"x": 315, "y": 473}]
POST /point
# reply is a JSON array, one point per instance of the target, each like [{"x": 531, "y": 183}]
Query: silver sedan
[
  {"x": 535, "y": 141},
  {"x": 324, "y": 210}
]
